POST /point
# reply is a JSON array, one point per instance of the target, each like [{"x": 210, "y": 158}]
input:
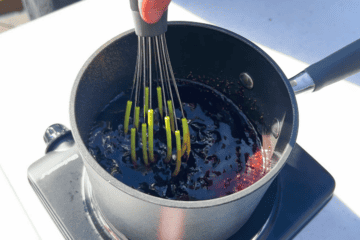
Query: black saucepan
[{"x": 228, "y": 63}]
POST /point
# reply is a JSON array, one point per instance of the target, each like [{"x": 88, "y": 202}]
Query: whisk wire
[
  {"x": 161, "y": 74},
  {"x": 144, "y": 76},
  {"x": 156, "y": 65},
  {"x": 150, "y": 73},
  {"x": 138, "y": 86},
  {"x": 169, "y": 84},
  {"x": 135, "y": 77},
  {"x": 154, "y": 50},
  {"x": 172, "y": 75}
]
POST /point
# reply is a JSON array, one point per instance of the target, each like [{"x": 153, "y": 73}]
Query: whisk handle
[{"x": 145, "y": 29}]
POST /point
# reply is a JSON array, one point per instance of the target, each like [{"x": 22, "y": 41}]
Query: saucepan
[{"x": 198, "y": 52}]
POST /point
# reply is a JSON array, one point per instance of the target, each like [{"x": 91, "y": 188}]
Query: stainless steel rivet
[
  {"x": 53, "y": 132},
  {"x": 246, "y": 80},
  {"x": 275, "y": 128}
]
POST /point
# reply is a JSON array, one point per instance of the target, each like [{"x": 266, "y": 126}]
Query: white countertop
[
  {"x": 39, "y": 62},
  {"x": 308, "y": 30}
]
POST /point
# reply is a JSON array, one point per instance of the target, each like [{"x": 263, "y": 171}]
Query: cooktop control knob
[{"x": 54, "y": 132}]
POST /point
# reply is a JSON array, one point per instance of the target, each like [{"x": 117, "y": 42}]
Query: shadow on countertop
[
  {"x": 39, "y": 8},
  {"x": 16, "y": 12}
]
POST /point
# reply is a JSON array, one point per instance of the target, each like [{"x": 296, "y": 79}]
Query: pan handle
[{"x": 337, "y": 66}]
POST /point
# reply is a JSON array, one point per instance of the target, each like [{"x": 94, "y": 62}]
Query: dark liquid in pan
[{"x": 225, "y": 148}]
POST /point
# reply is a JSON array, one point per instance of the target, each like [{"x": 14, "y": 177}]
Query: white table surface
[
  {"x": 308, "y": 30},
  {"x": 39, "y": 62}
]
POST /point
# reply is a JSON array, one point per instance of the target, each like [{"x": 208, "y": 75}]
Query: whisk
[{"x": 153, "y": 66}]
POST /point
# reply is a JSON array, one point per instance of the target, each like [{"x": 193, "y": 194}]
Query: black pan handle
[{"x": 337, "y": 66}]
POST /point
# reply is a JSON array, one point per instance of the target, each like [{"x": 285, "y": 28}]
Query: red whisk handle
[
  {"x": 150, "y": 16},
  {"x": 151, "y": 11}
]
